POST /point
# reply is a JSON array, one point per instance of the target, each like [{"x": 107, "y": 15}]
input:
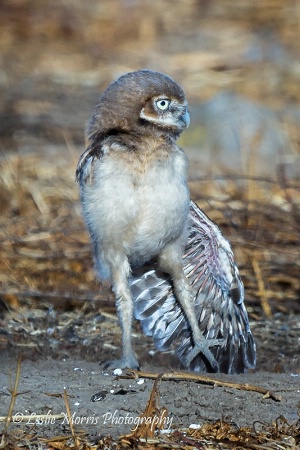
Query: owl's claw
[{"x": 203, "y": 347}]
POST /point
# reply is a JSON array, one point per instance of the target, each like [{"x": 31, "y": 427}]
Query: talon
[
  {"x": 215, "y": 342},
  {"x": 204, "y": 347}
]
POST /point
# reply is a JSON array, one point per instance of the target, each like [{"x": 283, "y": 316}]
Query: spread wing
[{"x": 218, "y": 295}]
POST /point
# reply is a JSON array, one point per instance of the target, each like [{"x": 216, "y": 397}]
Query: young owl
[{"x": 166, "y": 261}]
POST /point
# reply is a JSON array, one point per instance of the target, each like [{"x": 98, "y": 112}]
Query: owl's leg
[
  {"x": 124, "y": 304},
  {"x": 170, "y": 262}
]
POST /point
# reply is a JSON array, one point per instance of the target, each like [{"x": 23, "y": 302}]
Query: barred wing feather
[{"x": 218, "y": 295}]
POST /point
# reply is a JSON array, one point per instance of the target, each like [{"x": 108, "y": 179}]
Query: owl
[{"x": 168, "y": 264}]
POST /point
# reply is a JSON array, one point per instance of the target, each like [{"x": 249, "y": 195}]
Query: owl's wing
[
  {"x": 84, "y": 170},
  {"x": 218, "y": 295},
  {"x": 97, "y": 148}
]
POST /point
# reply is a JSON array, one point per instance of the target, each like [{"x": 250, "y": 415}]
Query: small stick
[
  {"x": 13, "y": 396},
  {"x": 186, "y": 376},
  {"x": 66, "y": 400}
]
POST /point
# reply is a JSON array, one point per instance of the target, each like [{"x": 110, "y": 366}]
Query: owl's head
[{"x": 140, "y": 102}]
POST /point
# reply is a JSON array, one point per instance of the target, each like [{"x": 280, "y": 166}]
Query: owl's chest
[
  {"x": 155, "y": 180},
  {"x": 142, "y": 204}
]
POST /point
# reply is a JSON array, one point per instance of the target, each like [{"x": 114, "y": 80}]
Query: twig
[
  {"x": 12, "y": 402},
  {"x": 186, "y": 376},
  {"x": 75, "y": 436}
]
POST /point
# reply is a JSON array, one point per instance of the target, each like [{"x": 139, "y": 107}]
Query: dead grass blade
[
  {"x": 262, "y": 292},
  {"x": 152, "y": 419},
  {"x": 67, "y": 405},
  {"x": 261, "y": 436},
  {"x": 14, "y": 394}
]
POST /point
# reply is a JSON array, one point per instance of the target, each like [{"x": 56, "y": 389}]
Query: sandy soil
[
  {"x": 121, "y": 401},
  {"x": 64, "y": 354}
]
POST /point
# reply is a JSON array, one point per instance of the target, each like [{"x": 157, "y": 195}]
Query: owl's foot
[
  {"x": 203, "y": 347},
  {"x": 122, "y": 363}
]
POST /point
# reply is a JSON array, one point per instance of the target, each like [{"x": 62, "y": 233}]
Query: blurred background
[{"x": 239, "y": 65}]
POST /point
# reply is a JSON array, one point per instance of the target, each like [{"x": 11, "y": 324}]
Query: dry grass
[
  {"x": 45, "y": 260},
  {"x": 44, "y": 247},
  {"x": 45, "y": 252}
]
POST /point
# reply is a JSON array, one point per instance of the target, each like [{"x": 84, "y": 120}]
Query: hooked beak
[
  {"x": 186, "y": 117},
  {"x": 183, "y": 115}
]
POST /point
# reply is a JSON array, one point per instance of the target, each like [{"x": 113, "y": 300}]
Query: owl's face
[
  {"x": 166, "y": 112},
  {"x": 140, "y": 102}
]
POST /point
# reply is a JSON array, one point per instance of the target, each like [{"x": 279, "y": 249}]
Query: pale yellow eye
[{"x": 163, "y": 104}]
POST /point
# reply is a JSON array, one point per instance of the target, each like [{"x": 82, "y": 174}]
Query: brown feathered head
[{"x": 137, "y": 102}]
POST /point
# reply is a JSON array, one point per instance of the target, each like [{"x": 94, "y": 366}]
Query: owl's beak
[
  {"x": 182, "y": 116},
  {"x": 186, "y": 117}
]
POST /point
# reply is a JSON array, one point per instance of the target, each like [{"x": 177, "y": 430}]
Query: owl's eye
[{"x": 163, "y": 104}]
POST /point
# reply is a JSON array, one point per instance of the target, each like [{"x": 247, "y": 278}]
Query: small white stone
[
  {"x": 166, "y": 431},
  {"x": 117, "y": 372},
  {"x": 140, "y": 381},
  {"x": 194, "y": 426}
]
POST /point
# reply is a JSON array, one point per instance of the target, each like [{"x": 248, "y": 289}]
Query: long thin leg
[
  {"x": 124, "y": 304},
  {"x": 170, "y": 262}
]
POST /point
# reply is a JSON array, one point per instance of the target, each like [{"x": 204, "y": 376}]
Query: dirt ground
[
  {"x": 238, "y": 63},
  {"x": 121, "y": 401},
  {"x": 103, "y": 404}
]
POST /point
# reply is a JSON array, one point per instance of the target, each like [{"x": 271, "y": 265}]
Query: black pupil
[{"x": 162, "y": 103}]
